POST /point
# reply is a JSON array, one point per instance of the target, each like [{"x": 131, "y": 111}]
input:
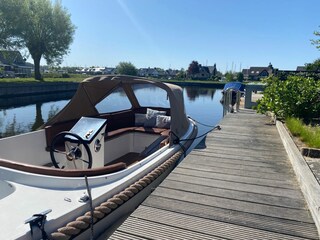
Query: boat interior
[
  {"x": 126, "y": 140},
  {"x": 96, "y": 133}
]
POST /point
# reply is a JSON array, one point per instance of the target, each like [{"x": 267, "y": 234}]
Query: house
[
  {"x": 203, "y": 74},
  {"x": 301, "y": 69},
  {"x": 256, "y": 73},
  {"x": 213, "y": 70},
  {"x": 97, "y": 70},
  {"x": 12, "y": 64},
  {"x": 109, "y": 71},
  {"x": 148, "y": 72},
  {"x": 171, "y": 73}
]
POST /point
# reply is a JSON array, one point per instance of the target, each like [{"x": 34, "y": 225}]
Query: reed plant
[{"x": 308, "y": 134}]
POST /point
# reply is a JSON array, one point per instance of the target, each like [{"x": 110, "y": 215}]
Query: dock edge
[{"x": 307, "y": 181}]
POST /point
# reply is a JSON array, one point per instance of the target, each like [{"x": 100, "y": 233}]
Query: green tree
[
  {"x": 42, "y": 27},
  {"x": 127, "y": 68},
  {"x": 240, "y": 77},
  {"x": 181, "y": 74},
  {"x": 315, "y": 66},
  {"x": 316, "y": 42},
  {"x": 193, "y": 68},
  {"x": 229, "y": 76}
]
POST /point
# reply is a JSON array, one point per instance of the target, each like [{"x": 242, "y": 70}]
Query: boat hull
[{"x": 105, "y": 227}]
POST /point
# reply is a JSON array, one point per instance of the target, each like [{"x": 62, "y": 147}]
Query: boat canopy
[
  {"x": 93, "y": 90},
  {"x": 238, "y": 86}
]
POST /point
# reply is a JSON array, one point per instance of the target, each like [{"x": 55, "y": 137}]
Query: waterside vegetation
[
  {"x": 295, "y": 96},
  {"x": 308, "y": 134},
  {"x": 69, "y": 77},
  {"x": 295, "y": 100}
]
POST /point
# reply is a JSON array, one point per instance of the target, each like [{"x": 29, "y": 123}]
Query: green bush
[
  {"x": 65, "y": 75},
  {"x": 294, "y": 97}
]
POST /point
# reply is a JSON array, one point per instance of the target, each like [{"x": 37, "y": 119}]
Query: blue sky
[{"x": 233, "y": 34}]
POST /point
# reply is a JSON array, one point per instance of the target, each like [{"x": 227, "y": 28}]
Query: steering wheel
[{"x": 69, "y": 151}]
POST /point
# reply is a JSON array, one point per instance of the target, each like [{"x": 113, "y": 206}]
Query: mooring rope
[{"x": 83, "y": 222}]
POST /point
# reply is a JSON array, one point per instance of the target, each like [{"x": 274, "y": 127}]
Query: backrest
[{"x": 52, "y": 130}]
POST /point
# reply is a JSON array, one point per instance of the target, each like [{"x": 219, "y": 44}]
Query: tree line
[
  {"x": 40, "y": 26},
  {"x": 45, "y": 30}
]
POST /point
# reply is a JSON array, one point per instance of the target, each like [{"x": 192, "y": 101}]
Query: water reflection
[
  {"x": 24, "y": 114},
  {"x": 14, "y": 102},
  {"x": 194, "y": 93}
]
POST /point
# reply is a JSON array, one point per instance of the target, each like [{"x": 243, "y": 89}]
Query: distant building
[
  {"x": 12, "y": 64},
  {"x": 256, "y": 73},
  {"x": 148, "y": 72},
  {"x": 213, "y": 70},
  {"x": 109, "y": 71},
  {"x": 301, "y": 69},
  {"x": 203, "y": 74},
  {"x": 171, "y": 73}
]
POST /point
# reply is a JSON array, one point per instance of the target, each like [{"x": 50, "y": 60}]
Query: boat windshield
[
  {"x": 149, "y": 95},
  {"x": 116, "y": 101}
]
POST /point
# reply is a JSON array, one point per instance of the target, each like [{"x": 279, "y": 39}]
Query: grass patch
[
  {"x": 308, "y": 134},
  {"x": 47, "y": 78}
]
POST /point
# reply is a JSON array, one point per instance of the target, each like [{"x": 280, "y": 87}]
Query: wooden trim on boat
[{"x": 62, "y": 172}]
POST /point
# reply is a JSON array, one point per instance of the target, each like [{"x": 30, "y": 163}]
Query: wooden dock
[{"x": 241, "y": 186}]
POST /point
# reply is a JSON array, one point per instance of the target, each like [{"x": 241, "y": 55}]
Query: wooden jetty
[{"x": 241, "y": 186}]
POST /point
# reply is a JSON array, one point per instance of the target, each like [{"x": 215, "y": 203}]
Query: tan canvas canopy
[{"x": 92, "y": 90}]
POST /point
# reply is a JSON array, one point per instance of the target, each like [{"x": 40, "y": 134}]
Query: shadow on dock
[{"x": 239, "y": 185}]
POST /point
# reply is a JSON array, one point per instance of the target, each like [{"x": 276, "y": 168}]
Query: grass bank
[
  {"x": 310, "y": 135},
  {"x": 71, "y": 78},
  {"x": 80, "y": 77}
]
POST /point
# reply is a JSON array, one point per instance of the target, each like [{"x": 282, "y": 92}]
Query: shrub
[
  {"x": 65, "y": 75},
  {"x": 294, "y": 97}
]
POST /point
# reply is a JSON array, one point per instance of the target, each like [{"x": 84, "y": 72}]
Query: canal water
[{"x": 24, "y": 114}]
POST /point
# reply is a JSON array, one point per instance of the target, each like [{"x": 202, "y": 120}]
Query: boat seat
[
  {"x": 117, "y": 132},
  {"x": 52, "y": 130}
]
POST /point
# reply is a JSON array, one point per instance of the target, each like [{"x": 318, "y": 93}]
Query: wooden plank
[
  {"x": 235, "y": 194},
  {"x": 171, "y": 225},
  {"x": 216, "y": 160},
  {"x": 279, "y": 225},
  {"x": 241, "y": 186},
  {"x": 273, "y": 191},
  {"x": 159, "y": 231},
  {"x": 235, "y": 178},
  {"x": 262, "y": 167},
  {"x": 233, "y": 204},
  {"x": 239, "y": 171},
  {"x": 226, "y": 156}
]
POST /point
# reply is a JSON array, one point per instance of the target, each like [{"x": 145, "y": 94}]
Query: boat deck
[{"x": 241, "y": 186}]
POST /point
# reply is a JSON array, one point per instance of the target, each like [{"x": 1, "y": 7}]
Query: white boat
[{"x": 86, "y": 169}]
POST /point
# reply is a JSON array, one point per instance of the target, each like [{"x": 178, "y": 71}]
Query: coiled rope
[{"x": 82, "y": 223}]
